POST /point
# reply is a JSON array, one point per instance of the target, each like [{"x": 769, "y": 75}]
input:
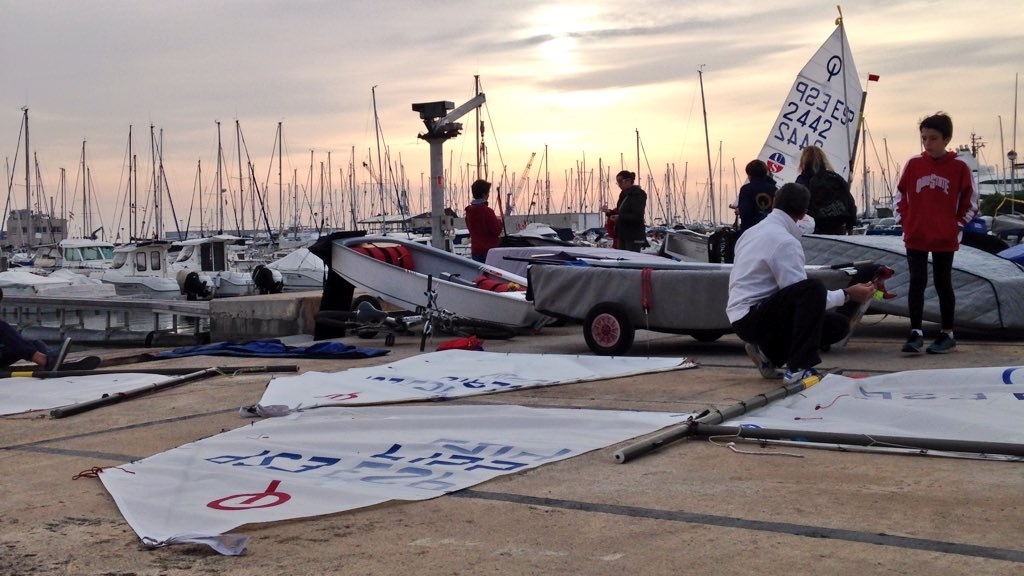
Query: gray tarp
[
  {"x": 680, "y": 300},
  {"x": 989, "y": 289}
]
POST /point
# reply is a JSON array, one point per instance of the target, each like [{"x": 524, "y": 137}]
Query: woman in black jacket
[
  {"x": 832, "y": 206},
  {"x": 628, "y": 214}
]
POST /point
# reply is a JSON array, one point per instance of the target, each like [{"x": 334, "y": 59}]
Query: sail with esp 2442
[{"x": 822, "y": 109}]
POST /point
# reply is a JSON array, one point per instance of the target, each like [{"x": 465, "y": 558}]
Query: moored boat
[
  {"x": 82, "y": 255},
  {"x": 209, "y": 257},
  {"x": 141, "y": 269},
  {"x": 63, "y": 283},
  {"x": 301, "y": 270}
]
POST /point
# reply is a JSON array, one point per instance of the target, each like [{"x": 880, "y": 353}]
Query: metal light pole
[{"x": 441, "y": 126}]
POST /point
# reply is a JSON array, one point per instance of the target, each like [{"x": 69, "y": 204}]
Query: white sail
[{"x": 822, "y": 109}]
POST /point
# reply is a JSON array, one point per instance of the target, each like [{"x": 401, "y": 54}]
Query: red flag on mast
[{"x": 872, "y": 77}]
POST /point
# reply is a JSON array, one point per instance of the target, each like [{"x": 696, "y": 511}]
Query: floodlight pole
[{"x": 441, "y": 126}]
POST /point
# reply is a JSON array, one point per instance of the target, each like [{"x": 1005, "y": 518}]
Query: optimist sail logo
[{"x": 776, "y": 162}]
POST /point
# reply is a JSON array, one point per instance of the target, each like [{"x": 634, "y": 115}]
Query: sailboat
[{"x": 823, "y": 108}]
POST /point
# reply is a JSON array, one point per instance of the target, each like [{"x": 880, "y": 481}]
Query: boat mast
[
  {"x": 220, "y": 183},
  {"x": 241, "y": 179},
  {"x": 380, "y": 167},
  {"x": 637, "y": 154},
  {"x": 280, "y": 183},
  {"x": 28, "y": 178},
  {"x": 131, "y": 180},
  {"x": 199, "y": 181},
  {"x": 867, "y": 191},
  {"x": 295, "y": 200},
  {"x": 480, "y": 173},
  {"x": 547, "y": 182},
  {"x": 156, "y": 183},
  {"x": 707, "y": 144},
  {"x": 85, "y": 196},
  {"x": 161, "y": 188},
  {"x": 352, "y": 187}
]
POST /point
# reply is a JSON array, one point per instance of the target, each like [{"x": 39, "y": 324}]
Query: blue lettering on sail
[{"x": 808, "y": 121}]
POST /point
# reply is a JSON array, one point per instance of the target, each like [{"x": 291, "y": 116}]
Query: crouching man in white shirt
[{"x": 784, "y": 317}]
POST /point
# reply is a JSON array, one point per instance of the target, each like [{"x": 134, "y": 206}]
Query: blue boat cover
[{"x": 271, "y": 348}]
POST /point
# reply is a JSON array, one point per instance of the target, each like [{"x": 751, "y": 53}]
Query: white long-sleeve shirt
[{"x": 768, "y": 258}]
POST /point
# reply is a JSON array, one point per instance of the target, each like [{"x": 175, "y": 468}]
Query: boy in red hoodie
[
  {"x": 934, "y": 200},
  {"x": 484, "y": 226}
]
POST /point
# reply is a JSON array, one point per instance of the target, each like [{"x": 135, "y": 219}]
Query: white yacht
[
  {"x": 82, "y": 255},
  {"x": 208, "y": 259},
  {"x": 141, "y": 269}
]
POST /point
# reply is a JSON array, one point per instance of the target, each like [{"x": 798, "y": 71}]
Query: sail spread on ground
[
  {"x": 27, "y": 394},
  {"x": 450, "y": 374},
  {"x": 822, "y": 109},
  {"x": 974, "y": 404},
  {"x": 335, "y": 459}
]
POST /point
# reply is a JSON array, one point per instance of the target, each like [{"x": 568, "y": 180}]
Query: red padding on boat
[
  {"x": 485, "y": 283},
  {"x": 394, "y": 254}
]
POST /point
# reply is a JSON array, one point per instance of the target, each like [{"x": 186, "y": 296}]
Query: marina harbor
[{"x": 690, "y": 288}]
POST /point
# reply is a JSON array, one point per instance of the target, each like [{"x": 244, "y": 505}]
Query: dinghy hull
[{"x": 396, "y": 271}]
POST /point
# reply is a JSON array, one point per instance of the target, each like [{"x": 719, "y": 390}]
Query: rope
[
  {"x": 646, "y": 297},
  {"x": 732, "y": 446},
  {"x": 829, "y": 405},
  {"x": 94, "y": 472}
]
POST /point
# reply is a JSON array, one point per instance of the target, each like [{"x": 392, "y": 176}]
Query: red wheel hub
[{"x": 606, "y": 330}]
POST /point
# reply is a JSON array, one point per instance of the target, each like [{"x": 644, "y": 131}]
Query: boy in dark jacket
[{"x": 756, "y": 196}]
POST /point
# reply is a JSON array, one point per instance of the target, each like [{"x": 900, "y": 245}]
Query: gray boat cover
[
  {"x": 989, "y": 289},
  {"x": 679, "y": 300},
  {"x": 506, "y": 257}
]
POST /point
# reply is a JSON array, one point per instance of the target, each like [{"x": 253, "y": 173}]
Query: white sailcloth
[
  {"x": 976, "y": 404},
  {"x": 337, "y": 459},
  {"x": 452, "y": 374},
  {"x": 822, "y": 109}
]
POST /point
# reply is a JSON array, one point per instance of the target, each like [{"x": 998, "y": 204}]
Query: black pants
[
  {"x": 942, "y": 277},
  {"x": 792, "y": 325}
]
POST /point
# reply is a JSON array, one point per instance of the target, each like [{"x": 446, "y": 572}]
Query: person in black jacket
[
  {"x": 756, "y": 196},
  {"x": 832, "y": 206},
  {"x": 628, "y": 214},
  {"x": 14, "y": 347}
]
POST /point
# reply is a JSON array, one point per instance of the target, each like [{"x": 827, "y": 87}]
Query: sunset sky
[{"x": 581, "y": 78}]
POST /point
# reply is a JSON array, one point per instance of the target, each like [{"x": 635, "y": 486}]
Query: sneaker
[
  {"x": 942, "y": 345},
  {"x": 764, "y": 365},
  {"x": 914, "y": 343},
  {"x": 805, "y": 375}
]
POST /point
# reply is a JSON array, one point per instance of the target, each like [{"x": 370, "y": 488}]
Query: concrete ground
[{"x": 692, "y": 507}]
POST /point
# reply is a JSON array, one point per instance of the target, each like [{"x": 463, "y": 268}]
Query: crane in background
[{"x": 524, "y": 183}]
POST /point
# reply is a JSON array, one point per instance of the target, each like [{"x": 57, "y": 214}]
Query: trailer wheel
[{"x": 608, "y": 330}]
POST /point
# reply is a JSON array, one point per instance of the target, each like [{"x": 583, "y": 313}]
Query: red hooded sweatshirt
[
  {"x": 935, "y": 199},
  {"x": 484, "y": 228}
]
